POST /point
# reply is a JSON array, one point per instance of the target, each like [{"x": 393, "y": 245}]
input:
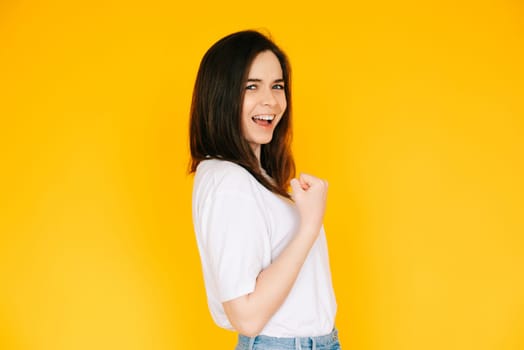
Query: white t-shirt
[{"x": 241, "y": 227}]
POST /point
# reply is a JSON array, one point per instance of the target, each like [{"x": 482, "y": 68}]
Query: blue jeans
[{"x": 263, "y": 342}]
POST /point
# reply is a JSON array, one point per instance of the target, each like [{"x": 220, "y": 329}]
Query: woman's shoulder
[
  {"x": 221, "y": 168},
  {"x": 224, "y": 175}
]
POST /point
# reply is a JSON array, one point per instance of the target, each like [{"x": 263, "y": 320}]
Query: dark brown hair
[{"x": 215, "y": 125}]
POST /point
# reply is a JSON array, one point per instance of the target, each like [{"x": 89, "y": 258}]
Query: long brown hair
[{"x": 215, "y": 125}]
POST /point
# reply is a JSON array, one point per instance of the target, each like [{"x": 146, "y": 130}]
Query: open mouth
[{"x": 263, "y": 120}]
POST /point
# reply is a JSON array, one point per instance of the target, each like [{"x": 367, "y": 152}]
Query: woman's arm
[{"x": 249, "y": 314}]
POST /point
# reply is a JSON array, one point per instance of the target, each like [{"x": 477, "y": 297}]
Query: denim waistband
[{"x": 298, "y": 343}]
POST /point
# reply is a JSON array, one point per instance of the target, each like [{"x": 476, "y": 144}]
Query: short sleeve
[{"x": 235, "y": 242}]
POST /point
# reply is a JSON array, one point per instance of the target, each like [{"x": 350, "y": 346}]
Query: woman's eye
[
  {"x": 278, "y": 87},
  {"x": 251, "y": 87}
]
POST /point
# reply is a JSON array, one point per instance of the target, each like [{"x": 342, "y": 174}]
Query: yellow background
[{"x": 413, "y": 111}]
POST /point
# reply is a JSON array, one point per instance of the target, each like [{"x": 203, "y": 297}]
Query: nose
[{"x": 268, "y": 97}]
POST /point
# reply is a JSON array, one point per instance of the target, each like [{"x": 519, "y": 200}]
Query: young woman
[{"x": 263, "y": 250}]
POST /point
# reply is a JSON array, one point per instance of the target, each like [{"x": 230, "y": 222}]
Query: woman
[{"x": 263, "y": 251}]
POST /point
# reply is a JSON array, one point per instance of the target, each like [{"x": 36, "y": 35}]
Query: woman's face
[{"x": 264, "y": 100}]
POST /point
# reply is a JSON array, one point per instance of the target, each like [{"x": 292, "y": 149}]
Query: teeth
[{"x": 264, "y": 117}]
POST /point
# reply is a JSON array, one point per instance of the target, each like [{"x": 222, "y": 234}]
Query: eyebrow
[{"x": 281, "y": 80}]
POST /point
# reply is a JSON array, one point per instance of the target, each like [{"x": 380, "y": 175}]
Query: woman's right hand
[{"x": 309, "y": 194}]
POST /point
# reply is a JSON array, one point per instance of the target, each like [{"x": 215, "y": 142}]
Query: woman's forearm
[{"x": 250, "y": 313}]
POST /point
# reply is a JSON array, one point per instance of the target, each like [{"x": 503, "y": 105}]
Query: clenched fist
[{"x": 309, "y": 194}]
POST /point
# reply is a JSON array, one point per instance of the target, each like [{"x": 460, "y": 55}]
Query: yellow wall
[{"x": 412, "y": 110}]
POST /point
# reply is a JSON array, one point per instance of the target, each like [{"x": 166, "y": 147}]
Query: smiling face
[{"x": 264, "y": 100}]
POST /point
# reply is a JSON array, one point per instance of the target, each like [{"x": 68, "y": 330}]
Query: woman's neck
[{"x": 256, "y": 150}]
